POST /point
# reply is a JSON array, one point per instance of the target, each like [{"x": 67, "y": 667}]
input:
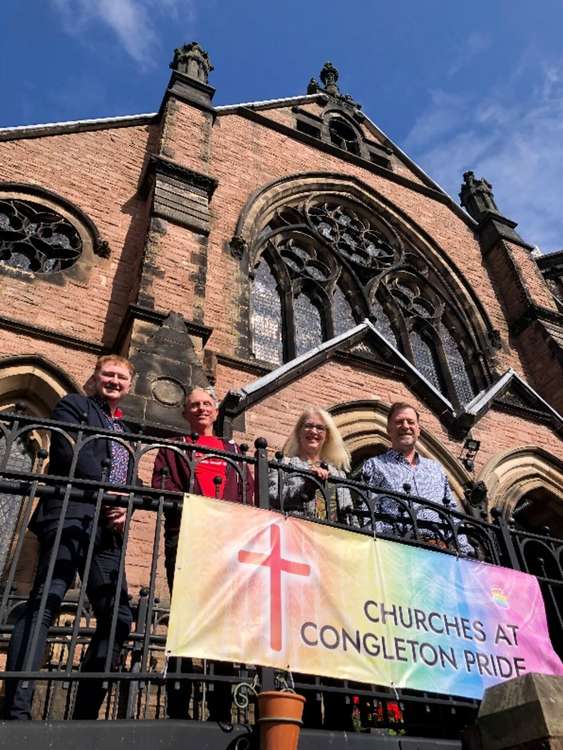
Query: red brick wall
[
  {"x": 77, "y": 364},
  {"x": 198, "y": 277},
  {"x": 185, "y": 136},
  {"x": 99, "y": 172}
]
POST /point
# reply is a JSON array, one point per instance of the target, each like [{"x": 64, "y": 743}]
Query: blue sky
[{"x": 458, "y": 85}]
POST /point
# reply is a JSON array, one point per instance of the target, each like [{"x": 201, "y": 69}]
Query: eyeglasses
[{"x": 313, "y": 426}]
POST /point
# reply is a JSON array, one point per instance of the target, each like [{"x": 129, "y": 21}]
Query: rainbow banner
[{"x": 256, "y": 587}]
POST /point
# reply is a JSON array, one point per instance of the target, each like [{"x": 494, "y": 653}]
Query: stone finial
[
  {"x": 477, "y": 196},
  {"x": 329, "y": 76},
  {"x": 193, "y": 61},
  {"x": 313, "y": 86}
]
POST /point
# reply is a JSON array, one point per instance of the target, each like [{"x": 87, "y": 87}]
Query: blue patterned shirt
[
  {"x": 425, "y": 479},
  {"x": 119, "y": 469}
]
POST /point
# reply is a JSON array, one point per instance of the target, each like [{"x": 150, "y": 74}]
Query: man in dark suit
[{"x": 99, "y": 459}]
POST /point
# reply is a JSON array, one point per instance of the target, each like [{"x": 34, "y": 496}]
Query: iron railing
[{"x": 137, "y": 686}]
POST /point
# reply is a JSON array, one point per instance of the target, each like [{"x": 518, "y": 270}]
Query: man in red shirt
[{"x": 202, "y": 474}]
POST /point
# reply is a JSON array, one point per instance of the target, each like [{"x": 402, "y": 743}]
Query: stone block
[{"x": 524, "y": 712}]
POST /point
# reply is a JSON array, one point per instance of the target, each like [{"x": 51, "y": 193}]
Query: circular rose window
[{"x": 36, "y": 238}]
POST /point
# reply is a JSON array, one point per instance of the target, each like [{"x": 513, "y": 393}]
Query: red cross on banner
[{"x": 273, "y": 559}]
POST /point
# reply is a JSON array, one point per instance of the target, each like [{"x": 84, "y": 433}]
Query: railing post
[
  {"x": 506, "y": 539},
  {"x": 261, "y": 491},
  {"x": 261, "y": 474},
  {"x": 129, "y": 692}
]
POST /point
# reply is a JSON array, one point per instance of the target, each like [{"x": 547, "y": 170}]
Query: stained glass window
[
  {"x": 363, "y": 265},
  {"x": 456, "y": 366},
  {"x": 36, "y": 238},
  {"x": 353, "y": 236},
  {"x": 308, "y": 327},
  {"x": 382, "y": 322},
  {"x": 266, "y": 316},
  {"x": 425, "y": 359},
  {"x": 342, "y": 313}
]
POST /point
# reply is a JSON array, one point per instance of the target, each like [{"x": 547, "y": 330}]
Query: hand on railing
[
  {"x": 115, "y": 516},
  {"x": 320, "y": 472}
]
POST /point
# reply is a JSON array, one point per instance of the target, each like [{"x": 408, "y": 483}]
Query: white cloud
[
  {"x": 445, "y": 114},
  {"x": 132, "y": 21},
  {"x": 513, "y": 138},
  {"x": 475, "y": 44}
]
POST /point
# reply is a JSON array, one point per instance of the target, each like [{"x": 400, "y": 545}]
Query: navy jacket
[{"x": 74, "y": 409}]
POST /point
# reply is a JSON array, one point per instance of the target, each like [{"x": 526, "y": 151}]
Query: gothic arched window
[
  {"x": 324, "y": 264},
  {"x": 344, "y": 136}
]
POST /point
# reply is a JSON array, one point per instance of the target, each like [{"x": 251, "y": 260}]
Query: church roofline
[
  {"x": 290, "y": 371},
  {"x": 419, "y": 171},
  {"x": 387, "y": 141},
  {"x": 74, "y": 126},
  {"x": 271, "y": 103},
  {"x": 483, "y": 401},
  {"x": 427, "y": 185},
  {"x": 236, "y": 402}
]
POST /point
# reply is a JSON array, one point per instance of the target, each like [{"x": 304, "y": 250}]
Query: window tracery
[
  {"x": 336, "y": 263},
  {"x": 36, "y": 238}
]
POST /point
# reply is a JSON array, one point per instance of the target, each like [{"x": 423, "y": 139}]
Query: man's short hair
[
  {"x": 118, "y": 359},
  {"x": 399, "y": 406},
  {"x": 206, "y": 389}
]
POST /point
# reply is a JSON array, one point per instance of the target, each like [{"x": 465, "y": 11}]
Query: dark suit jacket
[{"x": 74, "y": 409}]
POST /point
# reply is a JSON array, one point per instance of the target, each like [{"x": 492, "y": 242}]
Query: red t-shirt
[{"x": 208, "y": 468}]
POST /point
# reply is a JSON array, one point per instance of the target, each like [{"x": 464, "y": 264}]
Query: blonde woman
[{"x": 315, "y": 440}]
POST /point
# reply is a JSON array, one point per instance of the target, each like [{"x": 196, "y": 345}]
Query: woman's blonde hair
[{"x": 333, "y": 451}]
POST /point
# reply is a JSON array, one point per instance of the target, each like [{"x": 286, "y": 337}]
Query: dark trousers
[
  {"x": 178, "y": 692},
  {"x": 100, "y": 588}
]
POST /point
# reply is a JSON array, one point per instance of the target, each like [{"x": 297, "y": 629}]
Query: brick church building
[{"x": 289, "y": 253}]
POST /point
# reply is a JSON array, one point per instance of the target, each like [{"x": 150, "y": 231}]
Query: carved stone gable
[
  {"x": 167, "y": 366},
  {"x": 519, "y": 399}
]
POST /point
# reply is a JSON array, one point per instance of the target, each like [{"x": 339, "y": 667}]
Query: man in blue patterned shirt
[{"x": 402, "y": 469}]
